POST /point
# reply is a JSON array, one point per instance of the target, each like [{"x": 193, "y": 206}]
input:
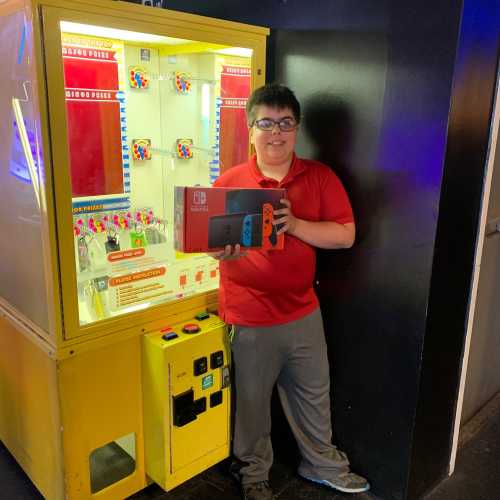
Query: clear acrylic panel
[
  {"x": 23, "y": 281},
  {"x": 145, "y": 113}
]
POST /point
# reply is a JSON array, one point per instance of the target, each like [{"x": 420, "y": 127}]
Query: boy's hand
[
  {"x": 287, "y": 219},
  {"x": 229, "y": 253}
]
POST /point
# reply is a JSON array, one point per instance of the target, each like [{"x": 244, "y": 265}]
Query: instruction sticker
[{"x": 207, "y": 381}]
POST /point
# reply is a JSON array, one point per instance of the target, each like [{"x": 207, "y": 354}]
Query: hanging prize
[
  {"x": 184, "y": 148},
  {"x": 141, "y": 149},
  {"x": 138, "y": 237},
  {"x": 182, "y": 82},
  {"x": 138, "y": 77},
  {"x": 112, "y": 243}
]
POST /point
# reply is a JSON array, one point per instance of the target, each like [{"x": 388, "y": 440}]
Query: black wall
[
  {"x": 340, "y": 79},
  {"x": 377, "y": 103},
  {"x": 474, "y": 80},
  {"x": 376, "y": 81},
  {"x": 289, "y": 14}
]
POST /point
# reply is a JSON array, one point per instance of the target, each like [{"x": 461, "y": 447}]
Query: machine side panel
[
  {"x": 29, "y": 409},
  {"x": 101, "y": 403}
]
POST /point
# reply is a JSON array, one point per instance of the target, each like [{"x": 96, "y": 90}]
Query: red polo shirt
[{"x": 271, "y": 287}]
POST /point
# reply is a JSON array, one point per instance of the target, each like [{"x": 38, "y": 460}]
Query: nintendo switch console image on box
[{"x": 208, "y": 219}]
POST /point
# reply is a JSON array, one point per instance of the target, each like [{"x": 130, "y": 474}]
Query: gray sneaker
[
  {"x": 257, "y": 491},
  {"x": 347, "y": 482}
]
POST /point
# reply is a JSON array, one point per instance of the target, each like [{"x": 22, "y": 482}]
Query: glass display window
[
  {"x": 144, "y": 113},
  {"x": 24, "y": 254}
]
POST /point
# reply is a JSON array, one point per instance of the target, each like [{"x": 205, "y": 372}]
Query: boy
[{"x": 269, "y": 299}]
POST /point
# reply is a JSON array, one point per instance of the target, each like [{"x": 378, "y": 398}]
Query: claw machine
[{"x": 114, "y": 367}]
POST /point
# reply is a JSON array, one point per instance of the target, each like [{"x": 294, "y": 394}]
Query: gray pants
[{"x": 294, "y": 356}]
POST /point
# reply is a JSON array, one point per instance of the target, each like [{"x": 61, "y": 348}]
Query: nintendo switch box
[{"x": 208, "y": 219}]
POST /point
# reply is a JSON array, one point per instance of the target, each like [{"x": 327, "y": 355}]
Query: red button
[{"x": 191, "y": 328}]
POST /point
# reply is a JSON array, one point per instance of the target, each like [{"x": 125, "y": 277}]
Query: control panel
[{"x": 186, "y": 387}]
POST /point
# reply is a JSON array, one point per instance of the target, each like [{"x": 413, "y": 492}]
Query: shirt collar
[{"x": 296, "y": 168}]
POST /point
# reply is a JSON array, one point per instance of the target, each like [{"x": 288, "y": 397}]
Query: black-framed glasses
[{"x": 287, "y": 124}]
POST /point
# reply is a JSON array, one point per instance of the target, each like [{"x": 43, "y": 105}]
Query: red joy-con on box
[{"x": 269, "y": 232}]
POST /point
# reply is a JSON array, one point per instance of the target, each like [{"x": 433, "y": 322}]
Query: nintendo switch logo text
[
  {"x": 199, "y": 197},
  {"x": 199, "y": 202}
]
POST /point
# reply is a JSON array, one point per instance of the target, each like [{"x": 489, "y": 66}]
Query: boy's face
[{"x": 273, "y": 147}]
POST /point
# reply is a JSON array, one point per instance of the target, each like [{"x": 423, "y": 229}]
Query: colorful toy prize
[
  {"x": 183, "y": 148},
  {"x": 182, "y": 82},
  {"x": 141, "y": 149},
  {"x": 120, "y": 221},
  {"x": 99, "y": 225},
  {"x": 138, "y": 78},
  {"x": 78, "y": 227},
  {"x": 112, "y": 243},
  {"x": 138, "y": 239}
]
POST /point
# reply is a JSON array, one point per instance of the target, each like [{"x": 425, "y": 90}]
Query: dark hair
[{"x": 273, "y": 95}]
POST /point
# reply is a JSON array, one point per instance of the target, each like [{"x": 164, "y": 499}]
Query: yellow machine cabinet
[
  {"x": 186, "y": 390},
  {"x": 107, "y": 106}
]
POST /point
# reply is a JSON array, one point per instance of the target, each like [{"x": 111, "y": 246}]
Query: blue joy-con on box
[
  {"x": 251, "y": 230},
  {"x": 246, "y": 233}
]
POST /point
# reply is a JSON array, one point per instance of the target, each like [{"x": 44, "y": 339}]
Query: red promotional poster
[
  {"x": 94, "y": 126},
  {"x": 235, "y": 88}
]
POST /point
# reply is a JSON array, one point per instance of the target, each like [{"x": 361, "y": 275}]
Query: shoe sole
[{"x": 324, "y": 482}]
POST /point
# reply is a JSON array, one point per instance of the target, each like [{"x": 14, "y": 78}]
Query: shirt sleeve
[
  {"x": 224, "y": 180},
  {"x": 335, "y": 204}
]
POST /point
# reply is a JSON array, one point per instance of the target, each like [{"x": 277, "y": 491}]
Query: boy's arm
[{"x": 321, "y": 234}]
